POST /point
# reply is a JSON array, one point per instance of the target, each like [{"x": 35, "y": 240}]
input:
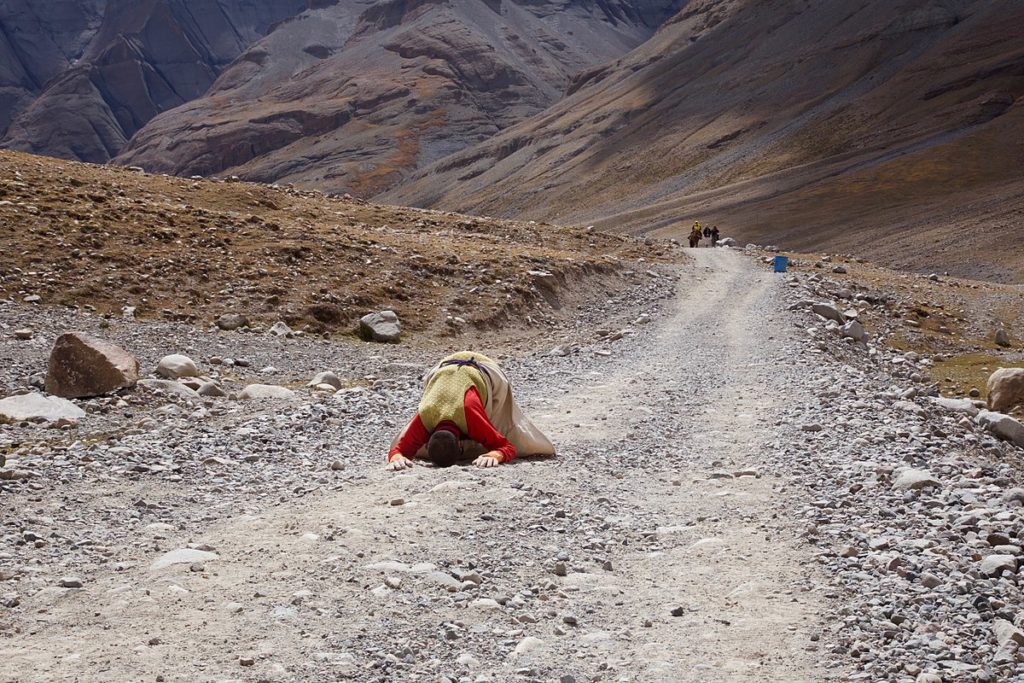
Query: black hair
[{"x": 443, "y": 448}]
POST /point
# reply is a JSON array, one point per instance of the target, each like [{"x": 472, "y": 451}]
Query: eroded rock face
[
  {"x": 83, "y": 366},
  {"x": 356, "y": 96},
  {"x": 39, "y": 40},
  {"x": 145, "y": 58}
]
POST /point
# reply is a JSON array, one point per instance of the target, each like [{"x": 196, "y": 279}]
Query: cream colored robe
[{"x": 503, "y": 412}]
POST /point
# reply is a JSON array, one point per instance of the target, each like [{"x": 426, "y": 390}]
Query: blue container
[{"x": 781, "y": 263}]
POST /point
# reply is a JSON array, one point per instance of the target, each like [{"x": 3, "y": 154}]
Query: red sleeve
[
  {"x": 412, "y": 439},
  {"x": 482, "y": 431}
]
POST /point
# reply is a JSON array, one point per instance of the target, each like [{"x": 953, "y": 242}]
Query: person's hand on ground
[
  {"x": 491, "y": 459},
  {"x": 399, "y": 463}
]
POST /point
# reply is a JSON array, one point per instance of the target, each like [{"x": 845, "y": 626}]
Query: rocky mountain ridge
[{"x": 896, "y": 133}]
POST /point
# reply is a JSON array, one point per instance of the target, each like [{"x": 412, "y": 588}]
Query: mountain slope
[
  {"x": 876, "y": 131},
  {"x": 358, "y": 95},
  {"x": 146, "y": 57},
  {"x": 37, "y": 43}
]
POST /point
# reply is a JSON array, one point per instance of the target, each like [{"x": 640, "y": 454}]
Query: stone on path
[
  {"x": 176, "y": 366},
  {"x": 380, "y": 327},
  {"x": 913, "y": 479},
  {"x": 1002, "y": 338},
  {"x": 71, "y": 582},
  {"x": 266, "y": 391},
  {"x": 36, "y": 407},
  {"x": 82, "y": 366},
  {"x": 183, "y": 556},
  {"x": 994, "y": 565}
]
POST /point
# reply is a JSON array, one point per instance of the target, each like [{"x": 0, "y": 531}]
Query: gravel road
[{"x": 711, "y": 515}]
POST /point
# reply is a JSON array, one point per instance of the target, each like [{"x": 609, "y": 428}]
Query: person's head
[{"x": 443, "y": 448}]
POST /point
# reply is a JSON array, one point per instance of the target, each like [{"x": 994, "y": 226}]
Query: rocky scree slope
[
  {"x": 106, "y": 239},
  {"x": 96, "y": 82},
  {"x": 358, "y": 95},
  {"x": 892, "y": 130}
]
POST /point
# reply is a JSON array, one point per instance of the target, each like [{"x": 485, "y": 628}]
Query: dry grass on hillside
[{"x": 81, "y": 235}]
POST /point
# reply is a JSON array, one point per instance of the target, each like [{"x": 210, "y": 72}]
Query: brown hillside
[
  {"x": 80, "y": 235},
  {"x": 893, "y": 130}
]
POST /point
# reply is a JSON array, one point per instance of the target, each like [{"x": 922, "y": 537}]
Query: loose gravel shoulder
[{"x": 741, "y": 493}]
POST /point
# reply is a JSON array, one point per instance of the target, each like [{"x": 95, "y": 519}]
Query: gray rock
[
  {"x": 211, "y": 390},
  {"x": 169, "y": 387},
  {"x": 855, "y": 331},
  {"x": 71, "y": 582},
  {"x": 182, "y": 556},
  {"x": 1005, "y": 388},
  {"x": 829, "y": 312},
  {"x": 24, "y": 334},
  {"x": 380, "y": 327},
  {"x": 82, "y": 366},
  {"x": 914, "y": 479},
  {"x": 36, "y": 407},
  {"x": 1003, "y": 426},
  {"x": 994, "y": 565},
  {"x": 327, "y": 377},
  {"x": 176, "y": 366},
  {"x": 1002, "y": 338},
  {"x": 266, "y": 391},
  {"x": 232, "y": 321},
  {"x": 956, "y": 405},
  {"x": 279, "y": 329},
  {"x": 726, "y": 242}
]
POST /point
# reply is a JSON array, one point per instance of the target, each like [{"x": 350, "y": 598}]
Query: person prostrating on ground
[{"x": 467, "y": 397}]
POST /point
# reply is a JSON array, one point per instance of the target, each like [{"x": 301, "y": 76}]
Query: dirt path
[{"x": 651, "y": 549}]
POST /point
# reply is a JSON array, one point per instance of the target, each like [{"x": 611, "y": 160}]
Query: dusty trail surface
[{"x": 651, "y": 549}]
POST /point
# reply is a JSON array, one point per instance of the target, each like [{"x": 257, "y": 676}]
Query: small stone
[
  {"x": 570, "y": 619},
  {"x": 994, "y": 565},
  {"x": 328, "y": 378},
  {"x": 280, "y": 329},
  {"x": 380, "y": 327},
  {"x": 266, "y": 392},
  {"x": 914, "y": 479},
  {"x": 337, "y": 466},
  {"x": 397, "y": 502},
  {"x": 23, "y": 334},
  {"x": 71, "y": 582},
  {"x": 247, "y": 661},
  {"x": 232, "y": 321},
  {"x": 678, "y": 611},
  {"x": 930, "y": 580},
  {"x": 813, "y": 427},
  {"x": 561, "y": 569},
  {"x": 176, "y": 366}
]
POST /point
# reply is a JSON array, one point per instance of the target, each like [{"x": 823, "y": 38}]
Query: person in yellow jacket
[
  {"x": 695, "y": 236},
  {"x": 467, "y": 397}
]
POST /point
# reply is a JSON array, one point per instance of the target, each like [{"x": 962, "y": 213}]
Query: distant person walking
[
  {"x": 715, "y": 236},
  {"x": 707, "y": 233},
  {"x": 695, "y": 236}
]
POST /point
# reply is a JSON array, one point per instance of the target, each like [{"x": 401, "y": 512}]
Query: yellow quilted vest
[{"x": 445, "y": 394}]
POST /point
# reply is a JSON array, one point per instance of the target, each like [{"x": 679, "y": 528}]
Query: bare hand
[
  {"x": 399, "y": 463},
  {"x": 491, "y": 459}
]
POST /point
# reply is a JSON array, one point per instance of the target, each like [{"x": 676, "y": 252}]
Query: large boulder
[
  {"x": 177, "y": 366},
  {"x": 380, "y": 327},
  {"x": 1003, "y": 426},
  {"x": 36, "y": 407},
  {"x": 1005, "y": 388},
  {"x": 82, "y": 366}
]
